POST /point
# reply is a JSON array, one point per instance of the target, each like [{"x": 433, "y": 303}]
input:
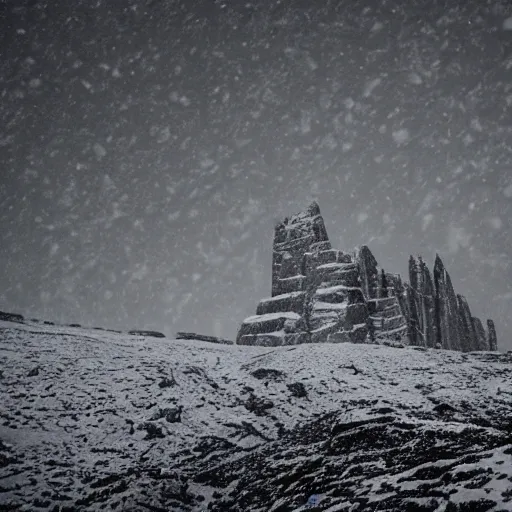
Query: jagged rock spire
[
  {"x": 313, "y": 209},
  {"x": 301, "y": 233},
  {"x": 320, "y": 294},
  {"x": 493, "y": 339},
  {"x": 369, "y": 272}
]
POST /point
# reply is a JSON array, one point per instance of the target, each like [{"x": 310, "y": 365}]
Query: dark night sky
[{"x": 148, "y": 147}]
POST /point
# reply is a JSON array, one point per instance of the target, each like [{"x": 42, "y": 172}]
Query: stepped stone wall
[{"x": 320, "y": 294}]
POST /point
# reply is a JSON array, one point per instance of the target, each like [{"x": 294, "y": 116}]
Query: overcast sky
[{"x": 148, "y": 147}]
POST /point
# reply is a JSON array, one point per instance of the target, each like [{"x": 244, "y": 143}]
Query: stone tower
[{"x": 320, "y": 294}]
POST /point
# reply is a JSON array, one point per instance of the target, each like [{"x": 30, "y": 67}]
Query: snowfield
[{"x": 96, "y": 420}]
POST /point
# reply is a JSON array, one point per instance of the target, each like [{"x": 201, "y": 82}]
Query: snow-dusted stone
[
  {"x": 135, "y": 332},
  {"x": 329, "y": 256},
  {"x": 356, "y": 314},
  {"x": 291, "y": 284},
  {"x": 296, "y": 338},
  {"x": 340, "y": 293},
  {"x": 293, "y": 301},
  {"x": 11, "y": 317},
  {"x": 321, "y": 333},
  {"x": 320, "y": 246},
  {"x": 340, "y": 337},
  {"x": 480, "y": 334},
  {"x": 297, "y": 235},
  {"x": 390, "y": 324},
  {"x": 290, "y": 267},
  {"x": 264, "y": 324},
  {"x": 368, "y": 271},
  {"x": 201, "y": 337},
  {"x": 270, "y": 339},
  {"x": 341, "y": 296},
  {"x": 493, "y": 341},
  {"x": 344, "y": 257},
  {"x": 338, "y": 274},
  {"x": 357, "y": 334}
]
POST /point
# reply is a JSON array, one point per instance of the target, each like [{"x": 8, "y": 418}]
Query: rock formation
[
  {"x": 201, "y": 337},
  {"x": 320, "y": 294},
  {"x": 316, "y": 291},
  {"x": 493, "y": 339}
]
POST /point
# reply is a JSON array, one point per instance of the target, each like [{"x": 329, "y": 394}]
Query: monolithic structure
[{"x": 320, "y": 294}]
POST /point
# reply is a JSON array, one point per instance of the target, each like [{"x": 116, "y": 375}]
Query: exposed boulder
[
  {"x": 257, "y": 405},
  {"x": 268, "y": 374},
  {"x": 202, "y": 337},
  {"x": 469, "y": 336},
  {"x": 11, "y": 317},
  {"x": 170, "y": 414},
  {"x": 34, "y": 372},
  {"x": 297, "y": 389},
  {"x": 153, "y": 431},
  {"x": 152, "y": 334}
]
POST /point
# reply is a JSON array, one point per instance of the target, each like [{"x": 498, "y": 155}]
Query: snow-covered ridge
[{"x": 95, "y": 420}]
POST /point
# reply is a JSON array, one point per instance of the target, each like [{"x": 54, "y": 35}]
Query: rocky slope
[{"x": 95, "y": 420}]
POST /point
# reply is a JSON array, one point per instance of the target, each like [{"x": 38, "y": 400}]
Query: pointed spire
[
  {"x": 313, "y": 209},
  {"x": 491, "y": 334}
]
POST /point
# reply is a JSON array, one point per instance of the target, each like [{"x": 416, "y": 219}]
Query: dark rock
[
  {"x": 297, "y": 389},
  {"x": 493, "y": 339},
  {"x": 292, "y": 302},
  {"x": 153, "y": 431},
  {"x": 258, "y": 406},
  {"x": 201, "y": 337},
  {"x": 11, "y": 317},
  {"x": 353, "y": 367},
  {"x": 268, "y": 374},
  {"x": 368, "y": 271},
  {"x": 445, "y": 302},
  {"x": 481, "y": 505},
  {"x": 167, "y": 382},
  {"x": 170, "y": 414},
  {"x": 131, "y": 423},
  {"x": 212, "y": 444},
  {"x": 153, "y": 334},
  {"x": 444, "y": 409},
  {"x": 34, "y": 372}
]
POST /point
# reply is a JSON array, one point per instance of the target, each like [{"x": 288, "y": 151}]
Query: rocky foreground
[{"x": 96, "y": 420}]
